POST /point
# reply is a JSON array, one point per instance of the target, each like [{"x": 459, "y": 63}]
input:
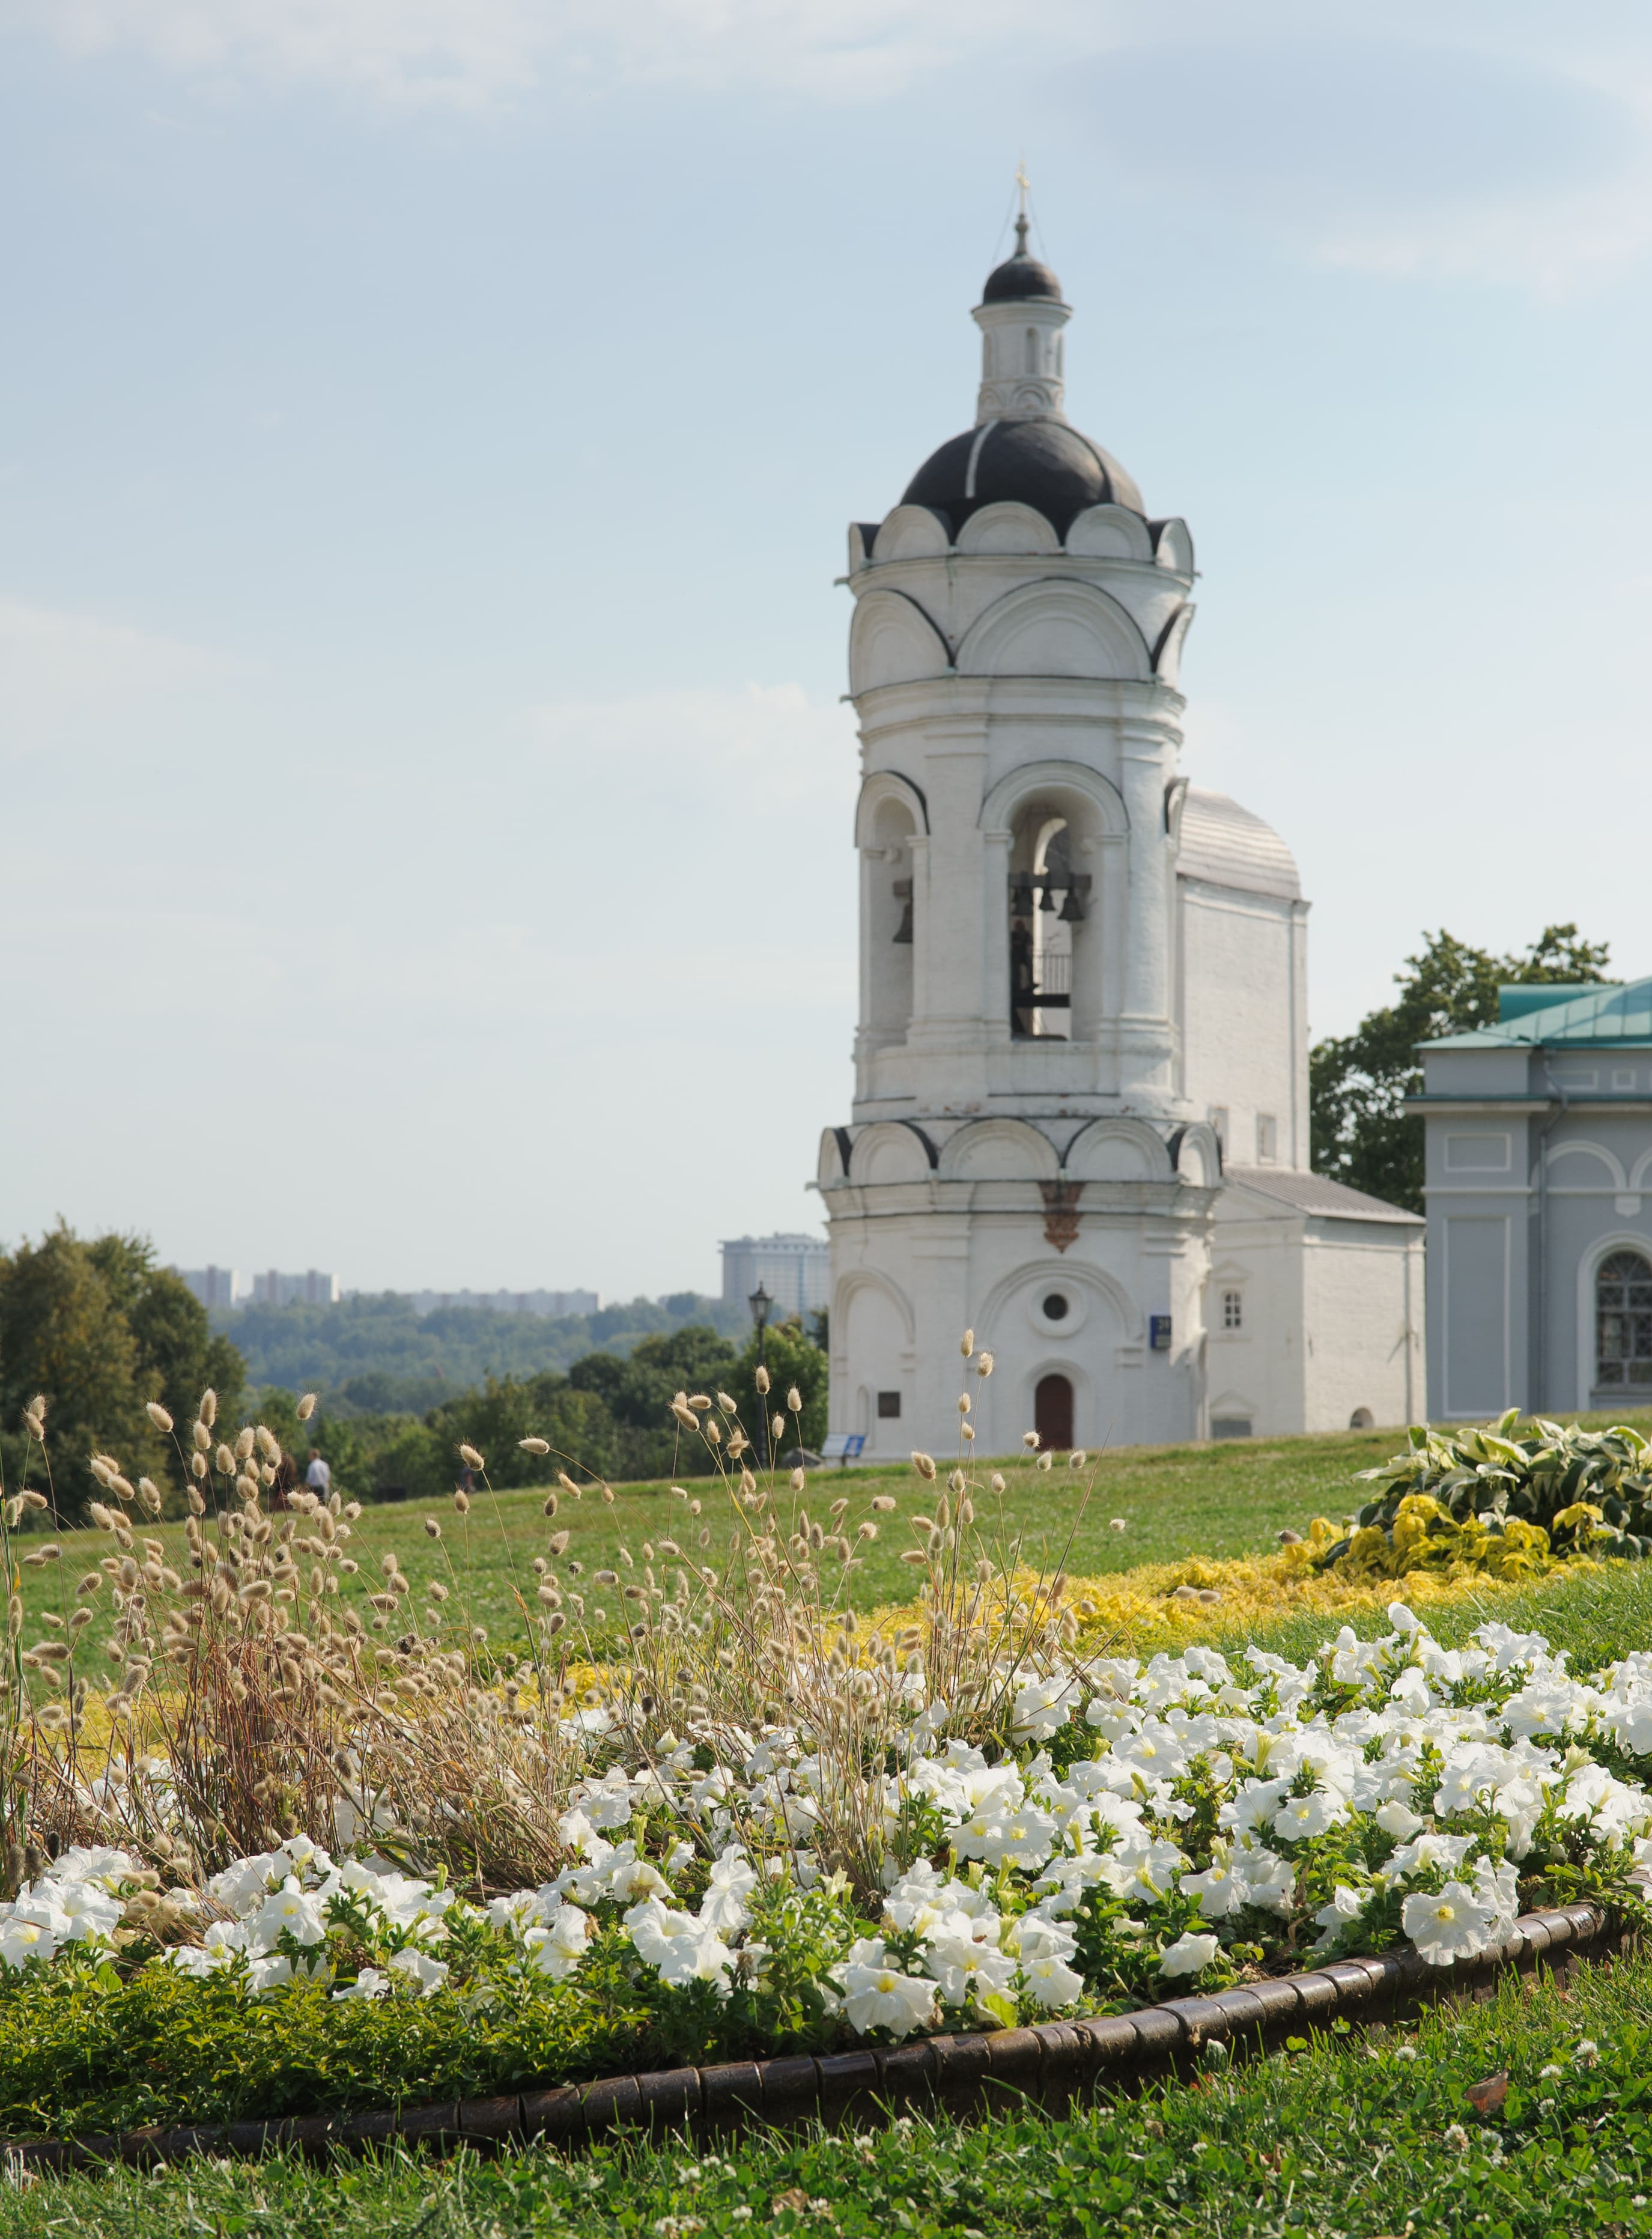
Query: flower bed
[{"x": 1133, "y": 1832}]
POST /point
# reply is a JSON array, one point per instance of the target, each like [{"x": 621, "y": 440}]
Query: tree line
[{"x": 98, "y": 1328}]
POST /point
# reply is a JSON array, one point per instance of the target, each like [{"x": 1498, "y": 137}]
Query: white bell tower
[
  {"x": 1080, "y": 1115},
  {"x": 1022, "y": 1154}
]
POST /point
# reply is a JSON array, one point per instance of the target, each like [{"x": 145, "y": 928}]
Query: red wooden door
[{"x": 1052, "y": 1414}]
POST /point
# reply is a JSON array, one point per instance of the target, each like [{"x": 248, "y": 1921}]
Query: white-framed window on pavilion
[
  {"x": 1047, "y": 900},
  {"x": 1232, "y": 1311},
  {"x": 1623, "y": 1322}
]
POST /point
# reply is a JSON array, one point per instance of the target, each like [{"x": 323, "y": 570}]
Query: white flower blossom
[{"x": 1189, "y": 1955}]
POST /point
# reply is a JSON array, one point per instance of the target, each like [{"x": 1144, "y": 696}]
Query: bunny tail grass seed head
[
  {"x": 923, "y": 1464},
  {"x": 966, "y": 1343},
  {"x": 1030, "y": 1439},
  {"x": 794, "y": 1401},
  {"x": 471, "y": 1458},
  {"x": 534, "y": 1446},
  {"x": 158, "y": 1415},
  {"x": 207, "y": 1409},
  {"x": 307, "y": 1407},
  {"x": 762, "y": 1379}
]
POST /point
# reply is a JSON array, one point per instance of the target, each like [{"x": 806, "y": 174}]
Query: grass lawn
[
  {"x": 1228, "y": 1499},
  {"x": 1349, "y": 2138}
]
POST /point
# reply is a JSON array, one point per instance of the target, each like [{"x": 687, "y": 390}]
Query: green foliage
[
  {"x": 1358, "y": 1083},
  {"x": 1589, "y": 1491},
  {"x": 82, "y": 2051},
  {"x": 376, "y": 1356},
  {"x": 100, "y": 1330},
  {"x": 793, "y": 1361},
  {"x": 1358, "y": 2134}
]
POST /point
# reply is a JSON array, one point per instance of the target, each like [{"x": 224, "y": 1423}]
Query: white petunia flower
[
  {"x": 1050, "y": 1983},
  {"x": 369, "y": 1985},
  {"x": 429, "y": 1974},
  {"x": 1455, "y": 1925},
  {"x": 1189, "y": 1955},
  {"x": 289, "y": 1910},
  {"x": 23, "y": 1940},
  {"x": 557, "y": 1948},
  {"x": 877, "y": 1995},
  {"x": 732, "y": 1879},
  {"x": 1220, "y": 1890}
]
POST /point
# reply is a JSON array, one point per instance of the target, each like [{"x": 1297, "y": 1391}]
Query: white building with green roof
[{"x": 1539, "y": 1189}]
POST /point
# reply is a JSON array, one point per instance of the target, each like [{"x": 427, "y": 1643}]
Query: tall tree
[
  {"x": 98, "y": 1328},
  {"x": 1357, "y": 1083}
]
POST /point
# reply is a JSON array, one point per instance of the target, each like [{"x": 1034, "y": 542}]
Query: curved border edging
[{"x": 1048, "y": 2066}]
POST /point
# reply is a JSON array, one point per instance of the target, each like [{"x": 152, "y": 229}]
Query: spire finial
[{"x": 1024, "y": 187}]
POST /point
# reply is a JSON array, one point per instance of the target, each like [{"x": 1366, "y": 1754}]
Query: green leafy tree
[
  {"x": 793, "y": 1361},
  {"x": 99, "y": 1329},
  {"x": 1357, "y": 1083}
]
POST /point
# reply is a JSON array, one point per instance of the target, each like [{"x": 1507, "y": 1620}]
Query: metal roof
[{"x": 1593, "y": 1018}]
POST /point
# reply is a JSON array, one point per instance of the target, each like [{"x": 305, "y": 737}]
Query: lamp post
[{"x": 759, "y": 1302}]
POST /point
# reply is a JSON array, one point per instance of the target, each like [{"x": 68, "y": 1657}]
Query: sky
[{"x": 428, "y": 434}]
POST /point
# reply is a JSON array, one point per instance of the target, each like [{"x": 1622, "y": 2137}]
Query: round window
[{"x": 1055, "y": 1307}]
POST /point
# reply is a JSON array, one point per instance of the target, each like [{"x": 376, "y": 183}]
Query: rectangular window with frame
[
  {"x": 1232, "y": 1309},
  {"x": 1267, "y": 1138},
  {"x": 889, "y": 1407}
]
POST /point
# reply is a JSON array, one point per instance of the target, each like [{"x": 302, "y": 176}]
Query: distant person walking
[{"x": 318, "y": 1477}]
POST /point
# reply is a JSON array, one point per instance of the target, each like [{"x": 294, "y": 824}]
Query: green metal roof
[{"x": 1581, "y": 1018}]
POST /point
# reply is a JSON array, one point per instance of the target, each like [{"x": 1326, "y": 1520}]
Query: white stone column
[{"x": 1147, "y": 1036}]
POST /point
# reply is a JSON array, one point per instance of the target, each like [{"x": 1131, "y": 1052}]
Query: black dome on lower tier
[{"x": 1043, "y": 463}]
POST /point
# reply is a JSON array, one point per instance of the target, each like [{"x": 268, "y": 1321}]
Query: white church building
[{"x": 1080, "y": 1116}]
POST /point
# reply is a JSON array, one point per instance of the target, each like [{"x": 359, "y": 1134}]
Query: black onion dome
[
  {"x": 1043, "y": 463},
  {"x": 1021, "y": 280}
]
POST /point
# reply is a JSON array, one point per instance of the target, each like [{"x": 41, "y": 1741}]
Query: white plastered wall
[{"x": 1242, "y": 970}]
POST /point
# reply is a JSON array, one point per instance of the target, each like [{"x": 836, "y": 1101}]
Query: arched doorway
[{"x": 1052, "y": 1414}]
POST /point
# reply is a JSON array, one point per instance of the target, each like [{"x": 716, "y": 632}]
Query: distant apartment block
[
  {"x": 554, "y": 1303},
  {"x": 312, "y": 1288},
  {"x": 795, "y": 1271},
  {"x": 216, "y": 1286},
  {"x": 228, "y": 1286}
]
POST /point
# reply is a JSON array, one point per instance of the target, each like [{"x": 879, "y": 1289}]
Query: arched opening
[
  {"x": 1048, "y": 900},
  {"x": 1033, "y": 349},
  {"x": 1624, "y": 1322},
  {"x": 890, "y": 922},
  {"x": 1362, "y": 1419},
  {"x": 1052, "y": 1414}
]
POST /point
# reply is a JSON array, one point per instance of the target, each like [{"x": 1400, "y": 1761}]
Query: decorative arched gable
[
  {"x": 892, "y": 640},
  {"x": 999, "y": 1151},
  {"x": 1096, "y": 1282},
  {"x": 1109, "y": 532},
  {"x": 912, "y": 532},
  {"x": 1054, "y": 627},
  {"x": 889, "y": 1151},
  {"x": 1117, "y": 1151},
  {"x": 1007, "y": 528}
]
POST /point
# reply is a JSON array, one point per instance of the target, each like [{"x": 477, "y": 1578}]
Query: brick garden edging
[{"x": 1049, "y": 2067}]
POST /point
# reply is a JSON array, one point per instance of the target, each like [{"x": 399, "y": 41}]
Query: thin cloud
[{"x": 60, "y": 670}]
